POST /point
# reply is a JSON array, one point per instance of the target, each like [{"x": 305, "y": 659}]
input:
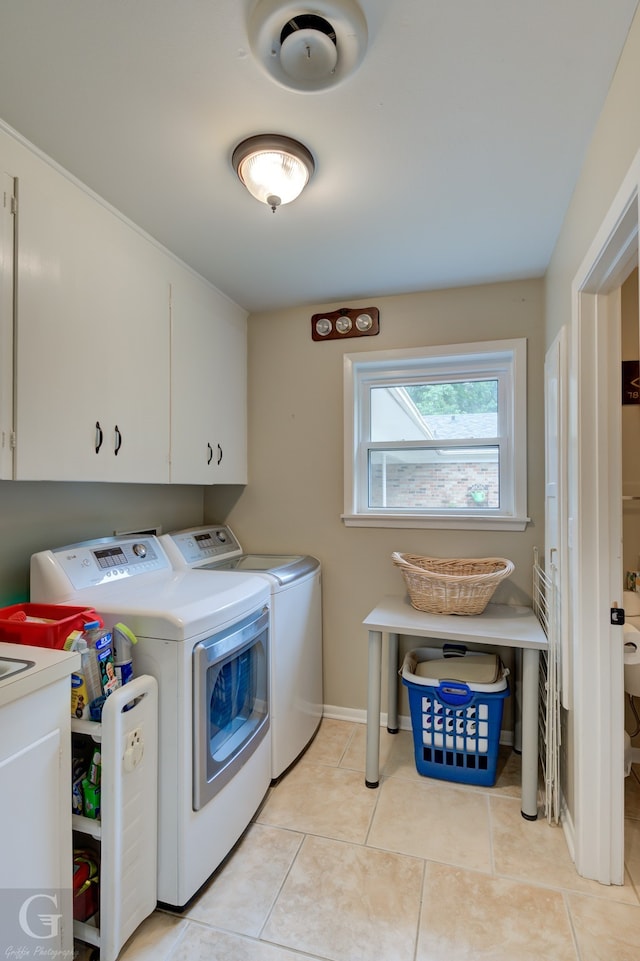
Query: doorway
[{"x": 595, "y": 778}]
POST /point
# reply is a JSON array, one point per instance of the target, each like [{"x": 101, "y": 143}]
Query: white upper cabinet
[
  {"x": 208, "y": 384},
  {"x": 92, "y": 363},
  {"x": 117, "y": 363}
]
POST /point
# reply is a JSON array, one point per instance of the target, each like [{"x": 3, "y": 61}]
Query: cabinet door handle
[
  {"x": 118, "y": 441},
  {"x": 219, "y": 454},
  {"x": 99, "y": 437},
  {"x": 210, "y": 457}
]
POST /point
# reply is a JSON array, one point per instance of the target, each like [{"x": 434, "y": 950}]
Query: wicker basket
[{"x": 440, "y": 585}]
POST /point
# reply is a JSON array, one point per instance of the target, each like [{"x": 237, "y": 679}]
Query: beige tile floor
[{"x": 418, "y": 870}]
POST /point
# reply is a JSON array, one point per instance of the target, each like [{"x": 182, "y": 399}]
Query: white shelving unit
[
  {"x": 545, "y": 606},
  {"x": 125, "y": 836}
]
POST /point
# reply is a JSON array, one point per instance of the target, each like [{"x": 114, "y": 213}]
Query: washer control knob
[{"x": 140, "y": 550}]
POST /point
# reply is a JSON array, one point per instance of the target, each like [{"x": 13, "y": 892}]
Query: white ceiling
[{"x": 448, "y": 158}]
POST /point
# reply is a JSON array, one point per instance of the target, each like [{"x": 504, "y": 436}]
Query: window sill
[{"x": 437, "y": 522}]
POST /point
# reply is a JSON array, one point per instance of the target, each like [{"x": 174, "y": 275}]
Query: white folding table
[{"x": 501, "y": 625}]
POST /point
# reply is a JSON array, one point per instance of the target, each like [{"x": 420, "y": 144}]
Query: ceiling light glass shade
[{"x": 275, "y": 170}]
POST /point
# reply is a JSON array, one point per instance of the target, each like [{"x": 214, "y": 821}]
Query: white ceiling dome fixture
[
  {"x": 273, "y": 168},
  {"x": 308, "y": 48}
]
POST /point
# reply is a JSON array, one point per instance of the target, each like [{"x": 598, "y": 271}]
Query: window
[{"x": 436, "y": 437}]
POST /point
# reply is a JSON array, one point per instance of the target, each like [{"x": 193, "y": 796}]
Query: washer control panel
[
  {"x": 203, "y": 543},
  {"x": 110, "y": 559}
]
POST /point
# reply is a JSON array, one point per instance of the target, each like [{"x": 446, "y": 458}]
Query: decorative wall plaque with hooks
[{"x": 346, "y": 322}]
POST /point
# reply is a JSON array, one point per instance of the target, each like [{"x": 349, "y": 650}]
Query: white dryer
[
  {"x": 206, "y": 641},
  {"x": 296, "y": 628}
]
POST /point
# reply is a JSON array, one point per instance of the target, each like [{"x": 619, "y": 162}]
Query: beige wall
[
  {"x": 294, "y": 497},
  {"x": 614, "y": 145},
  {"x": 35, "y": 516}
]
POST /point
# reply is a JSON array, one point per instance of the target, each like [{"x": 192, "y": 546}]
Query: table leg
[
  {"x": 392, "y": 694},
  {"x": 530, "y": 669},
  {"x": 517, "y": 701},
  {"x": 372, "y": 769}
]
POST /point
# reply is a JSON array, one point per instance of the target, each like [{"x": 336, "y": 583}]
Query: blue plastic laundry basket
[{"x": 456, "y": 727}]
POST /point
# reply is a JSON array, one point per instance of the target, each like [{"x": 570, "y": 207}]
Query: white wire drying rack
[{"x": 545, "y": 606}]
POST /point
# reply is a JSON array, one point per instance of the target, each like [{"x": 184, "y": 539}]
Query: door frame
[{"x": 594, "y": 535}]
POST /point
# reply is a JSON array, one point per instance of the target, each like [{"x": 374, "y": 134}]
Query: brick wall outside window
[{"x": 434, "y": 486}]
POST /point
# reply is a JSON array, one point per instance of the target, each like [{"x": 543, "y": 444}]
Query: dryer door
[{"x": 230, "y": 704}]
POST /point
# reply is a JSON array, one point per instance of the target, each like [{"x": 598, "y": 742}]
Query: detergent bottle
[{"x": 124, "y": 639}]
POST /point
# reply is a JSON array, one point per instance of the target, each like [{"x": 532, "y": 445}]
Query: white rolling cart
[{"x": 125, "y": 836}]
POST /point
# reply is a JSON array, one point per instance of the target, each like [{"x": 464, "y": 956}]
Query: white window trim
[{"x": 517, "y": 519}]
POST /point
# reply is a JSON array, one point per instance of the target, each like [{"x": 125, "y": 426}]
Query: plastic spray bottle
[{"x": 86, "y": 686}]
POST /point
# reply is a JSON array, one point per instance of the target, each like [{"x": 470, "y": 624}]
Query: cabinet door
[
  {"x": 7, "y": 218},
  {"x": 208, "y": 385},
  {"x": 92, "y": 339},
  {"x": 35, "y": 812},
  {"x": 230, "y": 404},
  {"x": 31, "y": 855}
]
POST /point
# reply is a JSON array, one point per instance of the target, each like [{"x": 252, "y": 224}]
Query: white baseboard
[{"x": 349, "y": 714}]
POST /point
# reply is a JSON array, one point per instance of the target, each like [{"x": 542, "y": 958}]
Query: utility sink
[{"x": 13, "y": 665}]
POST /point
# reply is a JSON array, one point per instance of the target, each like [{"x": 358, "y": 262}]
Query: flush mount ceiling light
[
  {"x": 308, "y": 49},
  {"x": 274, "y": 169}
]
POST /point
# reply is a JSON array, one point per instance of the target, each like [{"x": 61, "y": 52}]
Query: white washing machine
[
  {"x": 296, "y": 629},
  {"x": 206, "y": 641}
]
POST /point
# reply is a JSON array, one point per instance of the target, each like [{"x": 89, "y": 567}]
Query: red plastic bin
[{"x": 43, "y": 625}]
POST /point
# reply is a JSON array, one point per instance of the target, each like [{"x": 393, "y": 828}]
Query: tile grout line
[
  {"x": 572, "y": 927},
  {"x": 249, "y": 938},
  {"x": 626, "y": 869},
  {"x": 178, "y": 941},
  {"x": 280, "y": 887},
  {"x": 492, "y": 862},
  {"x": 423, "y": 898},
  {"x": 372, "y": 815}
]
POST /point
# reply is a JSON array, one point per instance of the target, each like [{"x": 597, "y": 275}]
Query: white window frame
[{"x": 505, "y": 358}]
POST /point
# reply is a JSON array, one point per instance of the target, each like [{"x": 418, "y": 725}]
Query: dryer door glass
[{"x": 231, "y": 707}]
